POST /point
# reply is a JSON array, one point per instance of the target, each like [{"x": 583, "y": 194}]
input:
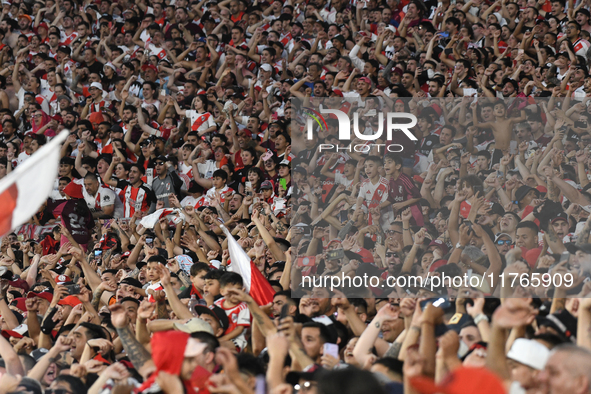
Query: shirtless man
[{"x": 502, "y": 126}]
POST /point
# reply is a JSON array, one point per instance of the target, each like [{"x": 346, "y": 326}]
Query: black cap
[
  {"x": 564, "y": 323},
  {"x": 522, "y": 192},
  {"x": 161, "y": 158},
  {"x": 560, "y": 216},
  {"x": 497, "y": 208},
  {"x": 216, "y": 312},
  {"x": 353, "y": 256},
  {"x": 132, "y": 282}
]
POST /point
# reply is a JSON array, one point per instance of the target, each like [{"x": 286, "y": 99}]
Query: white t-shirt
[{"x": 200, "y": 122}]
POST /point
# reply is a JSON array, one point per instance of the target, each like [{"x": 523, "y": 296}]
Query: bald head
[{"x": 568, "y": 370}]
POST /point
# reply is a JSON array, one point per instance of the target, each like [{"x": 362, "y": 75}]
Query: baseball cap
[
  {"x": 131, "y": 282},
  {"x": 28, "y": 17},
  {"x": 97, "y": 85},
  {"x": 70, "y": 300},
  {"x": 285, "y": 162},
  {"x": 194, "y": 325},
  {"x": 366, "y": 80},
  {"x": 301, "y": 170},
  {"x": 463, "y": 380},
  {"x": 63, "y": 97},
  {"x": 10, "y": 333},
  {"x": 266, "y": 67},
  {"x": 497, "y": 208},
  {"x": 45, "y": 295},
  {"x": 340, "y": 38},
  {"x": 338, "y": 92},
  {"x": 150, "y": 67},
  {"x": 563, "y": 322},
  {"x": 499, "y": 235},
  {"x": 38, "y": 353},
  {"x": 440, "y": 244},
  {"x": 560, "y": 216},
  {"x": 522, "y": 192},
  {"x": 266, "y": 185},
  {"x": 216, "y": 312},
  {"x": 529, "y": 352}
]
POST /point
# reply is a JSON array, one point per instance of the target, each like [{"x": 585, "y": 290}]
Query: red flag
[{"x": 256, "y": 285}]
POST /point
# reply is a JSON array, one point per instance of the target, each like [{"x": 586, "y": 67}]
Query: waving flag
[
  {"x": 151, "y": 220},
  {"x": 254, "y": 282},
  {"x": 25, "y": 189}
]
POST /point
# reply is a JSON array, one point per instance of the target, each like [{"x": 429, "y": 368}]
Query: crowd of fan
[{"x": 187, "y": 121}]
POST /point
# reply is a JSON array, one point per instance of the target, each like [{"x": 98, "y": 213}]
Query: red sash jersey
[
  {"x": 135, "y": 198},
  {"x": 68, "y": 40},
  {"x": 238, "y": 316},
  {"x": 373, "y": 195}
]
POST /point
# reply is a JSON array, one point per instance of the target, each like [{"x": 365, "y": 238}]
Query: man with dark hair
[
  {"x": 166, "y": 182},
  {"x": 100, "y": 200},
  {"x": 135, "y": 194},
  {"x": 526, "y": 235}
]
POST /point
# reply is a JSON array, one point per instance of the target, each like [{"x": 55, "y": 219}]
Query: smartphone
[
  {"x": 331, "y": 349},
  {"x": 149, "y": 241},
  {"x": 336, "y": 254},
  {"x": 248, "y": 186},
  {"x": 268, "y": 154},
  {"x": 284, "y": 312},
  {"x": 441, "y": 302},
  {"x": 478, "y": 189},
  {"x": 97, "y": 253},
  {"x": 73, "y": 289},
  {"x": 306, "y": 261},
  {"x": 580, "y": 124},
  {"x": 260, "y": 385},
  {"x": 565, "y": 256}
]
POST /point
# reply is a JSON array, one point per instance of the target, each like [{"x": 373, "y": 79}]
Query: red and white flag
[
  {"x": 255, "y": 283},
  {"x": 24, "y": 190},
  {"x": 151, "y": 220}
]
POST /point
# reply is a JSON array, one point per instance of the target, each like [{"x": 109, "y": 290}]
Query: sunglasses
[
  {"x": 393, "y": 232},
  {"x": 159, "y": 163},
  {"x": 504, "y": 242},
  {"x": 391, "y": 254}
]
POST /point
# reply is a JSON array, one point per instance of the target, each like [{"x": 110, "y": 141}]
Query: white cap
[
  {"x": 266, "y": 67},
  {"x": 97, "y": 85},
  {"x": 529, "y": 352},
  {"x": 216, "y": 263},
  {"x": 109, "y": 64}
]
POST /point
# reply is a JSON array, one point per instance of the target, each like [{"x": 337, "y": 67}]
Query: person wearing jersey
[
  {"x": 200, "y": 120},
  {"x": 373, "y": 192},
  {"x": 220, "y": 177},
  {"x": 196, "y": 198},
  {"x": 135, "y": 194},
  {"x": 402, "y": 193},
  {"x": 100, "y": 200},
  {"x": 166, "y": 182}
]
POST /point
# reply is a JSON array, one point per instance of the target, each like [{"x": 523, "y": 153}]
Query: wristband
[{"x": 480, "y": 317}]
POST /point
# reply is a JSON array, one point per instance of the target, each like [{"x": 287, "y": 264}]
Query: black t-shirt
[
  {"x": 97, "y": 68},
  {"x": 425, "y": 145}
]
